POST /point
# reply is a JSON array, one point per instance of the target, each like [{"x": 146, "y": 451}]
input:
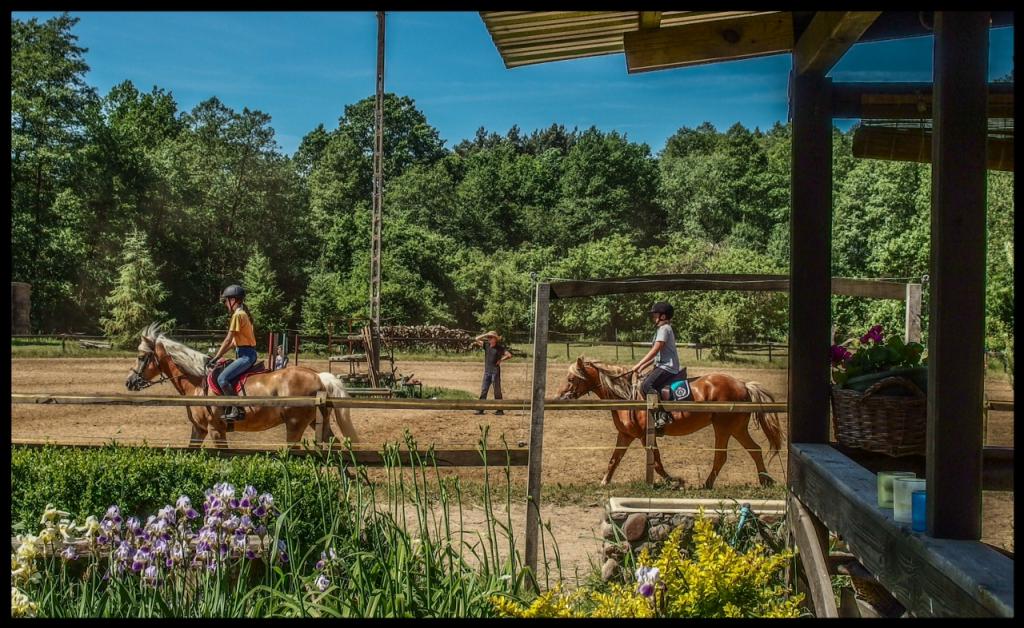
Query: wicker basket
[{"x": 874, "y": 421}]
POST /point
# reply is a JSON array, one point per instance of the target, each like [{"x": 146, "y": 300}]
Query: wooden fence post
[
  {"x": 650, "y": 440},
  {"x": 811, "y": 537},
  {"x": 322, "y": 434},
  {"x": 769, "y": 350},
  {"x": 540, "y": 370}
]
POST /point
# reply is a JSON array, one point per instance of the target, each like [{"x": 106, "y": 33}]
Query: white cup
[{"x": 902, "y": 503}]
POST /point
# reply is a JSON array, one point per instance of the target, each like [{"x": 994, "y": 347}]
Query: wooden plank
[
  {"x": 906, "y": 101},
  {"x": 540, "y": 363},
  {"x": 650, "y": 283},
  {"x": 812, "y": 541},
  {"x": 892, "y": 144},
  {"x": 931, "y": 577},
  {"x": 827, "y": 38},
  {"x": 912, "y": 313},
  {"x": 810, "y": 320},
  {"x": 997, "y": 470},
  {"x": 517, "y": 457},
  {"x": 903, "y": 24},
  {"x": 956, "y": 339},
  {"x": 871, "y": 288},
  {"x": 722, "y": 40}
]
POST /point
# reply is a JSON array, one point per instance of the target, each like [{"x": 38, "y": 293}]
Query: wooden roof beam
[
  {"x": 650, "y": 20},
  {"x": 908, "y": 101},
  {"x": 827, "y": 38},
  {"x": 890, "y": 144},
  {"x": 706, "y": 42}
]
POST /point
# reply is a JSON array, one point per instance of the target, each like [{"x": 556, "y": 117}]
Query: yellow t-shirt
[{"x": 242, "y": 326}]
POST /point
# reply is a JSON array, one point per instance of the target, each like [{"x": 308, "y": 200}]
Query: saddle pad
[
  {"x": 211, "y": 379},
  {"x": 680, "y": 391}
]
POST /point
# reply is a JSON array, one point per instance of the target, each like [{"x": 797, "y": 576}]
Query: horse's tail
[
  {"x": 769, "y": 421},
  {"x": 335, "y": 388}
]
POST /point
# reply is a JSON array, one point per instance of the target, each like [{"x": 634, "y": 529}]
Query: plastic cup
[
  {"x": 918, "y": 507},
  {"x": 902, "y": 489},
  {"x": 885, "y": 479}
]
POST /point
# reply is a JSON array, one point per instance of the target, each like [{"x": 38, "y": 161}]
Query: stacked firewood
[{"x": 430, "y": 337}]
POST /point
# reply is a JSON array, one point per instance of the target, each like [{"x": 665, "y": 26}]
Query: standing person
[
  {"x": 494, "y": 354},
  {"x": 280, "y": 360},
  {"x": 242, "y": 337},
  {"x": 665, "y": 356}
]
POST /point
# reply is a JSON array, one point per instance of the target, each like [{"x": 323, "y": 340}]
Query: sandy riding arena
[{"x": 577, "y": 444}]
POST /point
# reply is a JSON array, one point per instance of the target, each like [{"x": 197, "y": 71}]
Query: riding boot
[
  {"x": 234, "y": 413},
  {"x": 661, "y": 420}
]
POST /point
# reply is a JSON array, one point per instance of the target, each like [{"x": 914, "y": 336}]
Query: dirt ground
[{"x": 577, "y": 444}]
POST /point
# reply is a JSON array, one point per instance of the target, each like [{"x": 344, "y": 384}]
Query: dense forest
[{"x": 125, "y": 208}]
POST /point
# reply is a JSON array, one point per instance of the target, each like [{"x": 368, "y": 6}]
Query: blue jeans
[
  {"x": 491, "y": 378},
  {"x": 244, "y": 358}
]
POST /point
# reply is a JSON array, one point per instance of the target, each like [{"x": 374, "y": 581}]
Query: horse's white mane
[
  {"x": 617, "y": 386},
  {"x": 191, "y": 361}
]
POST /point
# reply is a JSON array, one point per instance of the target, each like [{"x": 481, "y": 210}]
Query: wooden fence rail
[{"x": 393, "y": 404}]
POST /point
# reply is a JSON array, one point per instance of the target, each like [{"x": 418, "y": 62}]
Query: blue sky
[{"x": 303, "y": 68}]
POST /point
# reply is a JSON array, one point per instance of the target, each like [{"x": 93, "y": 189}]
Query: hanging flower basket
[
  {"x": 875, "y": 420},
  {"x": 878, "y": 397}
]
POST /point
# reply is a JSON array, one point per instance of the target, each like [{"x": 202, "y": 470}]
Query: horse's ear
[{"x": 579, "y": 363}]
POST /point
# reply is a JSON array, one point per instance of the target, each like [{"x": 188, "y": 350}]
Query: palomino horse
[
  {"x": 607, "y": 381},
  {"x": 185, "y": 368}
]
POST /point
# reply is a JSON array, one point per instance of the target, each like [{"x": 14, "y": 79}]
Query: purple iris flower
[
  {"x": 250, "y": 554},
  {"x": 134, "y": 525},
  {"x": 250, "y": 491},
  {"x": 183, "y": 503},
  {"x": 244, "y": 503},
  {"x": 69, "y": 553},
  {"x": 322, "y": 583},
  {"x": 191, "y": 514},
  {"x": 259, "y": 511},
  {"x": 266, "y": 500}
]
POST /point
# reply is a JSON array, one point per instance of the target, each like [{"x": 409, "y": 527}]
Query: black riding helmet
[
  {"x": 662, "y": 308},
  {"x": 234, "y": 290}
]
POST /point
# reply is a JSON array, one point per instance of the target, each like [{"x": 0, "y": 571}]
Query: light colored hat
[{"x": 488, "y": 335}]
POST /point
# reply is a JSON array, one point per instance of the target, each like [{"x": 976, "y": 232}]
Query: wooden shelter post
[
  {"x": 810, "y": 276},
  {"x": 540, "y": 373},
  {"x": 957, "y": 305},
  {"x": 912, "y": 311}
]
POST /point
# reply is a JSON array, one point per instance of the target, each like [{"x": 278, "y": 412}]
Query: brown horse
[
  {"x": 608, "y": 381},
  {"x": 185, "y": 368}
]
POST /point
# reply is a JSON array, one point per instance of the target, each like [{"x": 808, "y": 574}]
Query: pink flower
[
  {"x": 874, "y": 335},
  {"x": 840, "y": 355}
]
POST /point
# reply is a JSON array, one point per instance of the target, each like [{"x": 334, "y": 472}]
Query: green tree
[
  {"x": 264, "y": 299},
  {"x": 134, "y": 302},
  {"x": 52, "y": 109},
  {"x": 320, "y": 302}
]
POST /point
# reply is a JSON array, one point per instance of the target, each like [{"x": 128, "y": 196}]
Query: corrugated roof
[{"x": 528, "y": 37}]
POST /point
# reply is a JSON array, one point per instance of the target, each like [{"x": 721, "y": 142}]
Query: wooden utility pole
[{"x": 378, "y": 199}]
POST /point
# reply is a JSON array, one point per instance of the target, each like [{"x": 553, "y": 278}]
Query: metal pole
[{"x": 378, "y": 187}]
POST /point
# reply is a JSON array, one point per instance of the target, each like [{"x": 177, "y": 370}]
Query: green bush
[{"x": 87, "y": 481}]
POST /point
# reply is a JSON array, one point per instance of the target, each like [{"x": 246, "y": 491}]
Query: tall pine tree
[
  {"x": 134, "y": 301},
  {"x": 263, "y": 298}
]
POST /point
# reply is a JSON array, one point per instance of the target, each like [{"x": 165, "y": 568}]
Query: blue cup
[{"x": 918, "y": 514}]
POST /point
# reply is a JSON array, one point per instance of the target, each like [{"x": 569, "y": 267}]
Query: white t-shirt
[{"x": 668, "y": 358}]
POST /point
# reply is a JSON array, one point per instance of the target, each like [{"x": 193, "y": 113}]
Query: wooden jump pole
[{"x": 540, "y": 371}]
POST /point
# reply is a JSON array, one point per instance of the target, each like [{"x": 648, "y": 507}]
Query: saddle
[
  {"x": 255, "y": 369},
  {"x": 679, "y": 387}
]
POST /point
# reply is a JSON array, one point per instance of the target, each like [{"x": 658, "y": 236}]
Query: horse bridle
[{"x": 141, "y": 382}]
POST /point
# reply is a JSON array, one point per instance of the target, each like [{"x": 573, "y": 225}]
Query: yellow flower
[
  {"x": 50, "y": 513},
  {"x": 21, "y": 605}
]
